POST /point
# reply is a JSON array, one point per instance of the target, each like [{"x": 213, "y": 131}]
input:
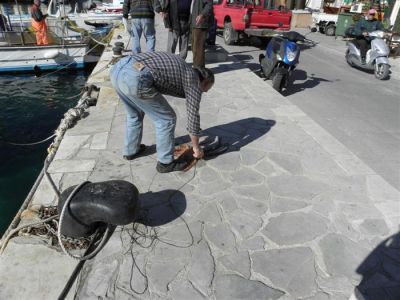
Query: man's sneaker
[
  {"x": 142, "y": 149},
  {"x": 176, "y": 165}
]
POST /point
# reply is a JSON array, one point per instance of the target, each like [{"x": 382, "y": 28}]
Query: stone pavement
[{"x": 287, "y": 213}]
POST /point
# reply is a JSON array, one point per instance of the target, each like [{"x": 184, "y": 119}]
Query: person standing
[
  {"x": 140, "y": 80},
  {"x": 201, "y": 19},
  {"x": 39, "y": 24},
  {"x": 176, "y": 15},
  {"x": 142, "y": 20}
]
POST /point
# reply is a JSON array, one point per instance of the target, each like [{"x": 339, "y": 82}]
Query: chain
[{"x": 47, "y": 231}]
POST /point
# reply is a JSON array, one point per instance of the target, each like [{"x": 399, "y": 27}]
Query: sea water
[{"x": 30, "y": 110}]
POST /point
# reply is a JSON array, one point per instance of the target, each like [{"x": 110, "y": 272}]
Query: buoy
[{"x": 51, "y": 54}]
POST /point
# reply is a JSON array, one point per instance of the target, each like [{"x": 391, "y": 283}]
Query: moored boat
[{"x": 20, "y": 53}]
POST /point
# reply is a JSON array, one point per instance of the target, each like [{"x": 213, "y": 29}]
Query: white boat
[
  {"x": 102, "y": 15},
  {"x": 111, "y": 6},
  {"x": 94, "y": 17},
  {"x": 20, "y": 53}
]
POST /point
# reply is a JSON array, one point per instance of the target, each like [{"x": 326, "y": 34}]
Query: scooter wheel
[
  {"x": 277, "y": 81},
  {"x": 348, "y": 60},
  {"x": 381, "y": 71}
]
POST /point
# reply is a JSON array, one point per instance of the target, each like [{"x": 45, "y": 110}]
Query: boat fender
[
  {"x": 112, "y": 202},
  {"x": 49, "y": 54},
  {"x": 37, "y": 71}
]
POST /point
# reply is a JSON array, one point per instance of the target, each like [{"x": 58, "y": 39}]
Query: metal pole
[{"x": 20, "y": 23}]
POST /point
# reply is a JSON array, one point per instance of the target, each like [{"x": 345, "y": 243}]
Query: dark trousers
[
  {"x": 182, "y": 37},
  {"x": 363, "y": 45},
  {"x": 199, "y": 37}
]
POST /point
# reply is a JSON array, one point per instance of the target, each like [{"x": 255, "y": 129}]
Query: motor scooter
[
  {"x": 377, "y": 57},
  {"x": 281, "y": 57}
]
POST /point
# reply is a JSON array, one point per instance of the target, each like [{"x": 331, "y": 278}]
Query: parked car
[
  {"x": 326, "y": 23},
  {"x": 246, "y": 18}
]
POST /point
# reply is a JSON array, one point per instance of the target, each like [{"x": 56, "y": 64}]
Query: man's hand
[
  {"x": 162, "y": 14},
  {"x": 198, "y": 153},
  {"x": 199, "y": 19},
  {"x": 365, "y": 33}
]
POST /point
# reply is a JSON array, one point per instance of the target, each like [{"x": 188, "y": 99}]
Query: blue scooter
[{"x": 281, "y": 58}]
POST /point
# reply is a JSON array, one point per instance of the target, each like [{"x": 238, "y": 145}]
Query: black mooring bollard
[{"x": 112, "y": 202}]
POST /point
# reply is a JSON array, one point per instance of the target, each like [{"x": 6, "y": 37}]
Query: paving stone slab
[
  {"x": 209, "y": 214},
  {"x": 161, "y": 274},
  {"x": 220, "y": 236},
  {"x": 45, "y": 194},
  {"x": 335, "y": 285},
  {"x": 297, "y": 187},
  {"x": 184, "y": 290},
  {"x": 254, "y": 243},
  {"x": 226, "y": 162},
  {"x": 341, "y": 255},
  {"x": 20, "y": 262},
  {"x": 295, "y": 228},
  {"x": 291, "y": 270},
  {"x": 71, "y": 166},
  {"x": 250, "y": 156},
  {"x": 374, "y": 227},
  {"x": 227, "y": 202},
  {"x": 252, "y": 207},
  {"x": 202, "y": 267},
  {"x": 238, "y": 263},
  {"x": 288, "y": 162},
  {"x": 99, "y": 141},
  {"x": 245, "y": 225},
  {"x": 70, "y": 145},
  {"x": 258, "y": 192},
  {"x": 269, "y": 169},
  {"x": 281, "y": 204},
  {"x": 236, "y": 287}
]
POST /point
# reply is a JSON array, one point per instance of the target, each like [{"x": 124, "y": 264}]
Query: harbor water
[{"x": 30, "y": 110}]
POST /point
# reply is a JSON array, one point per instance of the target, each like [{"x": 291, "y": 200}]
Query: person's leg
[
  {"x": 124, "y": 79},
  {"x": 134, "y": 126},
  {"x": 45, "y": 38},
  {"x": 149, "y": 34},
  {"x": 172, "y": 41},
  {"x": 136, "y": 34},
  {"x": 363, "y": 44},
  {"x": 198, "y": 45},
  {"x": 164, "y": 119},
  {"x": 183, "y": 38}
]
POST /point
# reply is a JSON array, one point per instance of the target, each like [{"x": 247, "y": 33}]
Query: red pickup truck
[{"x": 240, "y": 18}]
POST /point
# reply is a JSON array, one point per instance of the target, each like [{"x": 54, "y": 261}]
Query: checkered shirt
[{"x": 172, "y": 76}]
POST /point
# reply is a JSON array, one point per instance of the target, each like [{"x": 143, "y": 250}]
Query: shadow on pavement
[
  {"x": 311, "y": 82},
  {"x": 231, "y": 62},
  {"x": 381, "y": 272},
  {"x": 160, "y": 208},
  {"x": 235, "y": 135}
]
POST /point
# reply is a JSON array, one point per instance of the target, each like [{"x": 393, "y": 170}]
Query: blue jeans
[
  {"x": 145, "y": 26},
  {"x": 132, "y": 86}
]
